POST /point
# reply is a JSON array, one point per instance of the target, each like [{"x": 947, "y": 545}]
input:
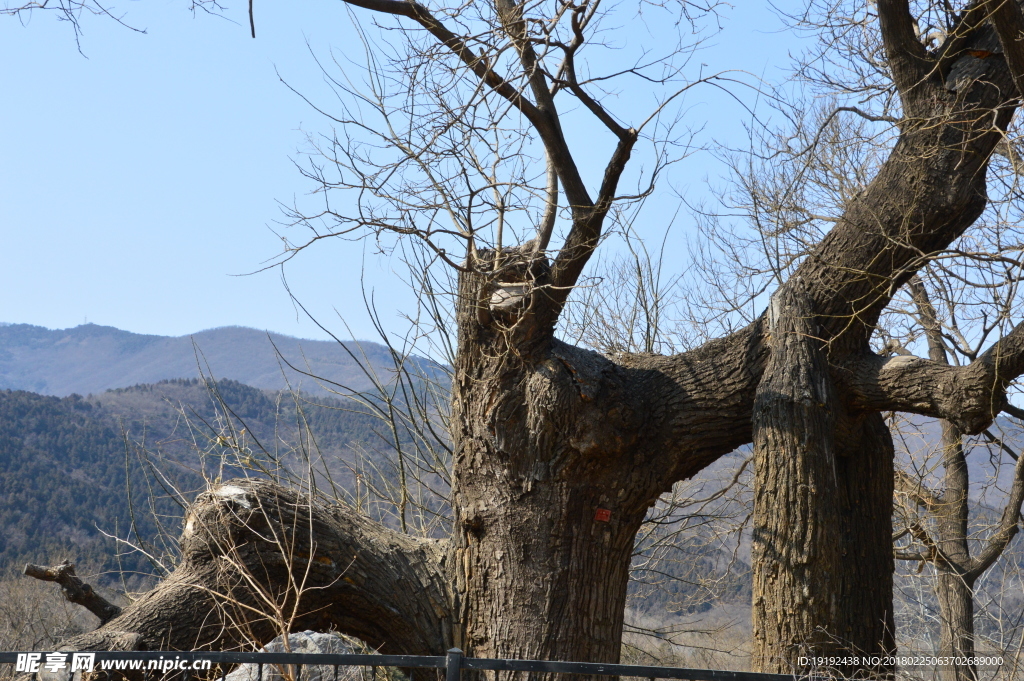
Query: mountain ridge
[{"x": 90, "y": 359}]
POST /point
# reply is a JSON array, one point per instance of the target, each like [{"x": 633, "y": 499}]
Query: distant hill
[
  {"x": 62, "y": 471},
  {"x": 65, "y": 463},
  {"x": 90, "y": 359}
]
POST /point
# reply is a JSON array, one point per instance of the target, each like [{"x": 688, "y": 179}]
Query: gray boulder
[{"x": 304, "y": 642}]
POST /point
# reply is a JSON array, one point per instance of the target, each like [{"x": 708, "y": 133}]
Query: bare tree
[
  {"x": 460, "y": 135},
  {"x": 833, "y": 151},
  {"x": 942, "y": 536}
]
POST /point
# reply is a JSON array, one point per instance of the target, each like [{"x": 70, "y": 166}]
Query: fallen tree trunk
[{"x": 259, "y": 560}]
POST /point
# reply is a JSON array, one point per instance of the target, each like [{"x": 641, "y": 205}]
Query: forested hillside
[
  {"x": 62, "y": 470},
  {"x": 65, "y": 462}
]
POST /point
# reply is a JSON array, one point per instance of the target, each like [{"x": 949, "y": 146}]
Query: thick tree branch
[
  {"x": 1005, "y": 359},
  {"x": 928, "y": 192},
  {"x": 543, "y": 116},
  {"x": 74, "y": 589},
  {"x": 510, "y": 13},
  {"x": 258, "y": 559},
  {"x": 917, "y": 557},
  {"x": 586, "y": 234},
  {"x": 692, "y": 408},
  {"x": 1008, "y": 21},
  {"x": 968, "y": 396},
  {"x": 907, "y": 57},
  {"x": 547, "y": 222}
]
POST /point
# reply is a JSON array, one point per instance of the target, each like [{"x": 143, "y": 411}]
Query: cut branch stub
[{"x": 74, "y": 589}]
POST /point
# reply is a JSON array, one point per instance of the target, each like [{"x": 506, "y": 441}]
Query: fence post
[{"x": 453, "y": 665}]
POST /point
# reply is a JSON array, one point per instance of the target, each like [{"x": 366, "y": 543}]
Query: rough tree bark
[
  {"x": 821, "y": 473},
  {"x": 547, "y": 435},
  {"x": 795, "y": 556}
]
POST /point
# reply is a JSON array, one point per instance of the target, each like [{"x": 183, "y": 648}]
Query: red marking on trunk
[{"x": 602, "y": 515}]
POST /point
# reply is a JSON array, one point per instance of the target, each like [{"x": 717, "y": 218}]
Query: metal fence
[{"x": 453, "y": 663}]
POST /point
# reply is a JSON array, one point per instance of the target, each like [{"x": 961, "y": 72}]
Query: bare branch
[
  {"x": 916, "y": 490},
  {"x": 478, "y": 65},
  {"x": 586, "y": 233},
  {"x": 1013, "y": 411},
  {"x": 1009, "y": 526},
  {"x": 547, "y": 222},
  {"x": 999, "y": 443},
  {"x": 74, "y": 589},
  {"x": 929, "y": 320}
]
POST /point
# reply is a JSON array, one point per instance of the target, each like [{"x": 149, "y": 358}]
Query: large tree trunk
[
  {"x": 799, "y": 422},
  {"x": 822, "y": 565},
  {"x": 541, "y": 449},
  {"x": 954, "y": 585},
  {"x": 796, "y": 556}
]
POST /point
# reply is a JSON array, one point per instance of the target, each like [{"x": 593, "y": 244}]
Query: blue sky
[{"x": 137, "y": 182}]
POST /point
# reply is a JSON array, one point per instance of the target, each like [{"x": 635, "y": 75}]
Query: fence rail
[{"x": 454, "y": 662}]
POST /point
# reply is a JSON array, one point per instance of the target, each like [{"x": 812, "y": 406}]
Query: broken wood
[{"x": 74, "y": 589}]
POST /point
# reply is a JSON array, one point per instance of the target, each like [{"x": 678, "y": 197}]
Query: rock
[{"x": 305, "y": 642}]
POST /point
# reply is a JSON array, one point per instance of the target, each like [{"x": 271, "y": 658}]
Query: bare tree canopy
[{"x": 460, "y": 140}]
